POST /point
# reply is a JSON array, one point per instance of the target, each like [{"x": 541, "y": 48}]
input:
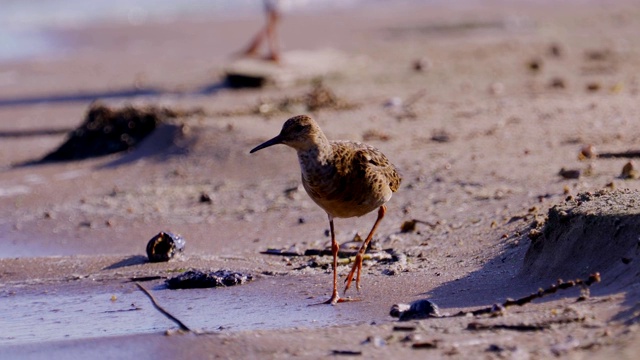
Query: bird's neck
[{"x": 315, "y": 156}]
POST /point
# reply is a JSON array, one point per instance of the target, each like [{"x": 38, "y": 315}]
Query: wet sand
[{"x": 507, "y": 95}]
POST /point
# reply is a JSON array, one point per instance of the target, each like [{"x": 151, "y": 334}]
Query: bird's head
[{"x": 299, "y": 132}]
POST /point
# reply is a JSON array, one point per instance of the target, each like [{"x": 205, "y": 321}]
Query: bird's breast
[
  {"x": 344, "y": 196},
  {"x": 350, "y": 180}
]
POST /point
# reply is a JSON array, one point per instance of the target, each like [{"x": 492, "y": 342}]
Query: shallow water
[
  {"x": 77, "y": 312},
  {"x": 19, "y": 244},
  {"x": 28, "y": 28}
]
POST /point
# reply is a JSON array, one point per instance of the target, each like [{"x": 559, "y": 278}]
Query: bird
[{"x": 345, "y": 178}]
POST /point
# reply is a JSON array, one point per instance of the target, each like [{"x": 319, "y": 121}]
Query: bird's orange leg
[
  {"x": 357, "y": 265},
  {"x": 334, "y": 251},
  {"x": 335, "y": 298}
]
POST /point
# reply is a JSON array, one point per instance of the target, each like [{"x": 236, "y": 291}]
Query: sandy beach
[{"x": 511, "y": 123}]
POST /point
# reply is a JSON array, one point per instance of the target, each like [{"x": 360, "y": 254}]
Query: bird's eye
[{"x": 298, "y": 128}]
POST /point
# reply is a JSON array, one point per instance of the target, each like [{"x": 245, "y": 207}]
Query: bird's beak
[{"x": 274, "y": 141}]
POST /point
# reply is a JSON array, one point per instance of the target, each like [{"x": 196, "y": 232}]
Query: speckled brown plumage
[
  {"x": 344, "y": 178},
  {"x": 351, "y": 179}
]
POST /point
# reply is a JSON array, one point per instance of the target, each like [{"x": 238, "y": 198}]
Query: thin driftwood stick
[
  {"x": 560, "y": 285},
  {"x": 162, "y": 310},
  {"x": 623, "y": 154}
]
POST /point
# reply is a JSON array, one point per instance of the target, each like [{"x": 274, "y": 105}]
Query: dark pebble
[{"x": 164, "y": 246}]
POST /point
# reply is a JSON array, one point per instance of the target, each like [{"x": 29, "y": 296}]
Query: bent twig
[{"x": 162, "y": 310}]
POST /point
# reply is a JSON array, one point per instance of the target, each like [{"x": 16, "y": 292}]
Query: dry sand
[{"x": 512, "y": 91}]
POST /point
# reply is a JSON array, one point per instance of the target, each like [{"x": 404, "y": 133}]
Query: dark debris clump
[
  {"x": 419, "y": 309},
  {"x": 106, "y": 130},
  {"x": 320, "y": 97},
  {"x": 196, "y": 279}
]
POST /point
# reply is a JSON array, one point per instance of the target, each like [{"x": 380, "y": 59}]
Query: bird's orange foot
[{"x": 335, "y": 300}]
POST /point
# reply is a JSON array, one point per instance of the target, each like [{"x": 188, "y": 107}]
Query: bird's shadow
[
  {"x": 502, "y": 278},
  {"x": 497, "y": 280},
  {"x": 161, "y": 145},
  {"x": 130, "y": 261}
]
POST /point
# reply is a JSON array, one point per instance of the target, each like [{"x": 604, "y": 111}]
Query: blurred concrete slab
[{"x": 296, "y": 67}]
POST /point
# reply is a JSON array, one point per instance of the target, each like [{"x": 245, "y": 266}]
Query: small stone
[
  {"x": 534, "y": 234},
  {"x": 205, "y": 198},
  {"x": 535, "y": 65},
  {"x": 398, "y": 309},
  {"x": 569, "y": 173},
  {"x": 498, "y": 310},
  {"x": 587, "y": 152},
  {"x": 422, "y": 64},
  {"x": 393, "y": 102},
  {"x": 376, "y": 341},
  {"x": 441, "y": 136},
  {"x": 497, "y": 88},
  {"x": 555, "y": 50},
  {"x": 598, "y": 55},
  {"x": 557, "y": 83},
  {"x": 617, "y": 88},
  {"x": 629, "y": 171},
  {"x": 593, "y": 87},
  {"x": 495, "y": 348},
  {"x": 85, "y": 224},
  {"x": 408, "y": 226},
  {"x": 388, "y": 272},
  {"x": 425, "y": 345},
  {"x": 590, "y": 170}
]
